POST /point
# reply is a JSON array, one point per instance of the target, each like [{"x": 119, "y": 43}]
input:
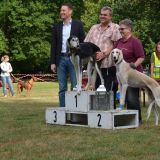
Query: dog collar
[{"x": 119, "y": 61}]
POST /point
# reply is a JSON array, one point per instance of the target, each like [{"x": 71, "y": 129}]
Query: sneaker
[{"x": 5, "y": 95}]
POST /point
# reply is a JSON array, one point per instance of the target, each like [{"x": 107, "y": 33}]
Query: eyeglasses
[{"x": 121, "y": 29}]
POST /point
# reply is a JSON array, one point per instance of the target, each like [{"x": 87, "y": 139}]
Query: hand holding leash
[
  {"x": 99, "y": 56},
  {"x": 132, "y": 65}
]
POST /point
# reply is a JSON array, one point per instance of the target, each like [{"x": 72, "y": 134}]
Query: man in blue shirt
[{"x": 60, "y": 60}]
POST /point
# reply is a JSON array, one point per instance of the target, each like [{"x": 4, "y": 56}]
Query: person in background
[
  {"x": 104, "y": 35},
  {"x": 6, "y": 69},
  {"x": 60, "y": 61},
  {"x": 155, "y": 63},
  {"x": 133, "y": 53}
]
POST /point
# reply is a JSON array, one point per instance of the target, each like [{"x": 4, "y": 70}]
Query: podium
[{"x": 91, "y": 109}]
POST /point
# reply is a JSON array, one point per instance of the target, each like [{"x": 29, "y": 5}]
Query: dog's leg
[
  {"x": 149, "y": 109},
  {"x": 101, "y": 87},
  {"x": 27, "y": 92},
  {"x": 80, "y": 81},
  {"x": 123, "y": 91},
  {"x": 93, "y": 78},
  {"x": 89, "y": 70},
  {"x": 156, "y": 94},
  {"x": 156, "y": 114},
  {"x": 99, "y": 73},
  {"x": 79, "y": 74},
  {"x": 18, "y": 89},
  {"x": 75, "y": 64}
]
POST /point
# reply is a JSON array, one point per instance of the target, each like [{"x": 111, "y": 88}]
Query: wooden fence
[{"x": 42, "y": 77}]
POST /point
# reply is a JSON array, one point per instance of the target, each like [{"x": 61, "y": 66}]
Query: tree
[
  {"x": 3, "y": 43},
  {"x": 144, "y": 14},
  {"x": 27, "y": 28}
]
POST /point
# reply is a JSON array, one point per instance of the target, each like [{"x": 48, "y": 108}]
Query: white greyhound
[{"x": 128, "y": 76}]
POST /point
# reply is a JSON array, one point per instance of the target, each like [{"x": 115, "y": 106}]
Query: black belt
[{"x": 65, "y": 54}]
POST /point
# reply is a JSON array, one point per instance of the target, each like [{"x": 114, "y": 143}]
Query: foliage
[
  {"x": 144, "y": 14},
  {"x": 90, "y": 16},
  {"x": 30, "y": 25},
  {"x": 3, "y": 43},
  {"x": 25, "y": 26}
]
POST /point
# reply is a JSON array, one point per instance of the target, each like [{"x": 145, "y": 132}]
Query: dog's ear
[
  {"x": 120, "y": 51},
  {"x": 111, "y": 53}
]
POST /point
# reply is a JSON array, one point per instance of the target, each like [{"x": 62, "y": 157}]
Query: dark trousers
[
  {"x": 132, "y": 100},
  {"x": 110, "y": 82}
]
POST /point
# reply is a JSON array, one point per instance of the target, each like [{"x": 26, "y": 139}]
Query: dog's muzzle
[{"x": 115, "y": 59}]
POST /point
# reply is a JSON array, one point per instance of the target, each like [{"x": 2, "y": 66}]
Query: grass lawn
[{"x": 24, "y": 135}]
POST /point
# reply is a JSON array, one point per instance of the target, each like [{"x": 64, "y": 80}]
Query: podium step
[
  {"x": 94, "y": 118},
  {"x": 113, "y": 119},
  {"x": 77, "y": 118}
]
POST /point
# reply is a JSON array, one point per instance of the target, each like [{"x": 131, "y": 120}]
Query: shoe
[
  {"x": 101, "y": 88},
  {"x": 5, "y": 95}
]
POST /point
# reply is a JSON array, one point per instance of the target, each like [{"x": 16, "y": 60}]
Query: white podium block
[
  {"x": 125, "y": 119},
  {"x": 56, "y": 115},
  {"x": 80, "y": 103},
  {"x": 113, "y": 119},
  {"x": 99, "y": 119}
]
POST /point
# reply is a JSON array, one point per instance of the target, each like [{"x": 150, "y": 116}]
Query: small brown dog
[{"x": 26, "y": 85}]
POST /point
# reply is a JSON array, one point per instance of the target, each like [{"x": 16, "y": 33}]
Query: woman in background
[
  {"x": 155, "y": 63},
  {"x": 6, "y": 69}
]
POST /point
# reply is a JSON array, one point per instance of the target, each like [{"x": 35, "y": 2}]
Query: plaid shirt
[{"x": 104, "y": 39}]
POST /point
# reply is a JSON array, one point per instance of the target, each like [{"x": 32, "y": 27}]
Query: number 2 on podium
[{"x": 99, "y": 120}]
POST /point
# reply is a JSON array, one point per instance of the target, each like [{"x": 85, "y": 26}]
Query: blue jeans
[
  {"x": 5, "y": 80},
  {"x": 64, "y": 69}
]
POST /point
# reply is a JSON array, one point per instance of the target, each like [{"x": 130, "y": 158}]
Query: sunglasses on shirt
[{"x": 121, "y": 29}]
